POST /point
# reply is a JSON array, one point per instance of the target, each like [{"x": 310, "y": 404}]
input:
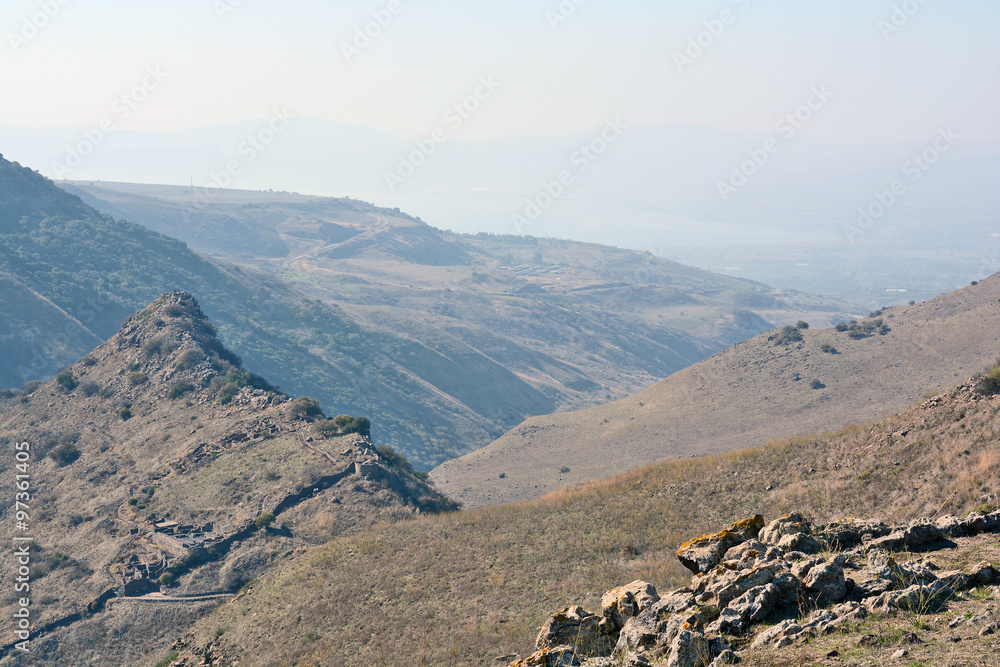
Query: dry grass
[{"x": 474, "y": 585}]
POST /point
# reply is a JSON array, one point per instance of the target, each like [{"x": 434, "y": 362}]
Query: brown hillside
[
  {"x": 754, "y": 391},
  {"x": 466, "y": 588},
  {"x": 158, "y": 459}
]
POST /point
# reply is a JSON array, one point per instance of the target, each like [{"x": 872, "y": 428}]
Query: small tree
[
  {"x": 264, "y": 520},
  {"x": 66, "y": 381},
  {"x": 305, "y": 407},
  {"x": 801, "y": 324}
]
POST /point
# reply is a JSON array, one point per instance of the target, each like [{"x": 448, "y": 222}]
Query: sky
[
  {"x": 685, "y": 100},
  {"x": 560, "y": 66}
]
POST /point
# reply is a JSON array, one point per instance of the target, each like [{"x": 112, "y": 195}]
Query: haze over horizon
[{"x": 633, "y": 124}]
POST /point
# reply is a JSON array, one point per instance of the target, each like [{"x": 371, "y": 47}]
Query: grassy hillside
[
  {"x": 468, "y": 587},
  {"x": 770, "y": 386},
  {"x": 163, "y": 424}
]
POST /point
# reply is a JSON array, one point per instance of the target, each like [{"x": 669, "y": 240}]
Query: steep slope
[
  {"x": 470, "y": 587},
  {"x": 755, "y": 391},
  {"x": 158, "y": 459}
]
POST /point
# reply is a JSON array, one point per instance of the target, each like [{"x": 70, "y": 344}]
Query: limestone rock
[
  {"x": 573, "y": 626},
  {"x": 556, "y": 656},
  {"x": 690, "y": 648},
  {"x": 827, "y": 581},
  {"x": 620, "y": 604},
  {"x": 703, "y": 553}
]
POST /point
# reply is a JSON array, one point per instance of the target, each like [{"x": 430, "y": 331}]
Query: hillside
[
  {"x": 357, "y": 306},
  {"x": 577, "y": 323},
  {"x": 468, "y": 587},
  {"x": 158, "y": 459},
  {"x": 757, "y": 390}
]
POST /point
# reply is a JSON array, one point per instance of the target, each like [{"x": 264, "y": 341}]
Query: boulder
[
  {"x": 690, "y": 648},
  {"x": 620, "y": 604},
  {"x": 556, "y": 656},
  {"x": 786, "y": 525},
  {"x": 826, "y": 581},
  {"x": 703, "y": 553},
  {"x": 573, "y": 626}
]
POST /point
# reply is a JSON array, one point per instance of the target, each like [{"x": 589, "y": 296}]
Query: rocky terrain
[
  {"x": 765, "y": 388},
  {"x": 758, "y": 589},
  {"x": 164, "y": 476},
  {"x": 473, "y": 587}
]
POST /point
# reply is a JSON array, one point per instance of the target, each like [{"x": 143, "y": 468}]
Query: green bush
[
  {"x": 167, "y": 579},
  {"x": 816, "y": 384},
  {"x": 841, "y": 326},
  {"x": 989, "y": 382},
  {"x": 90, "y": 388},
  {"x": 88, "y": 361},
  {"x": 788, "y": 334},
  {"x": 264, "y": 520},
  {"x": 64, "y": 454},
  {"x": 30, "y": 387},
  {"x": 136, "y": 378},
  {"x": 305, "y": 407},
  {"x": 179, "y": 389},
  {"x": 66, "y": 381},
  {"x": 829, "y": 349},
  {"x": 564, "y": 469},
  {"x": 801, "y": 324},
  {"x": 226, "y": 392},
  {"x": 125, "y": 413}
]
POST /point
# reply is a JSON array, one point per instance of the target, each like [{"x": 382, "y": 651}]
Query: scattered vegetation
[
  {"x": 169, "y": 659},
  {"x": 829, "y": 349},
  {"x": 90, "y": 388},
  {"x": 264, "y": 520},
  {"x": 342, "y": 424}
]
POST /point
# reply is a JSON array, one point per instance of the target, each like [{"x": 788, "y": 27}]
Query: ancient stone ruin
[{"x": 751, "y": 572}]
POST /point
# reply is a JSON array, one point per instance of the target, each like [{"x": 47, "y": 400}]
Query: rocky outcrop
[{"x": 751, "y": 572}]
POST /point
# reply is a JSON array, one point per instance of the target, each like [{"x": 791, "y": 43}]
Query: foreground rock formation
[{"x": 803, "y": 581}]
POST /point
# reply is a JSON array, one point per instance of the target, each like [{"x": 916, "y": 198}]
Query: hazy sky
[{"x": 66, "y": 62}]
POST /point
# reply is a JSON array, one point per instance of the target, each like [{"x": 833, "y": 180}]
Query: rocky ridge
[{"x": 771, "y": 586}]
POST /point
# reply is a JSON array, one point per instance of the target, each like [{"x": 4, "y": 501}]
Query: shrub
[
  {"x": 801, "y": 324},
  {"x": 395, "y": 458},
  {"x": 829, "y": 349},
  {"x": 179, "y": 389},
  {"x": 173, "y": 310},
  {"x": 90, "y": 388},
  {"x": 816, "y": 384},
  {"x": 264, "y": 520},
  {"x": 305, "y": 407},
  {"x": 883, "y": 329},
  {"x": 788, "y": 334},
  {"x": 136, "y": 378},
  {"x": 841, "y": 326},
  {"x": 88, "y": 361},
  {"x": 125, "y": 413},
  {"x": 189, "y": 358},
  {"x": 30, "y": 387},
  {"x": 64, "y": 454},
  {"x": 167, "y": 579},
  {"x": 66, "y": 381},
  {"x": 989, "y": 382},
  {"x": 158, "y": 345},
  {"x": 226, "y": 393},
  {"x": 564, "y": 469},
  {"x": 857, "y": 334}
]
